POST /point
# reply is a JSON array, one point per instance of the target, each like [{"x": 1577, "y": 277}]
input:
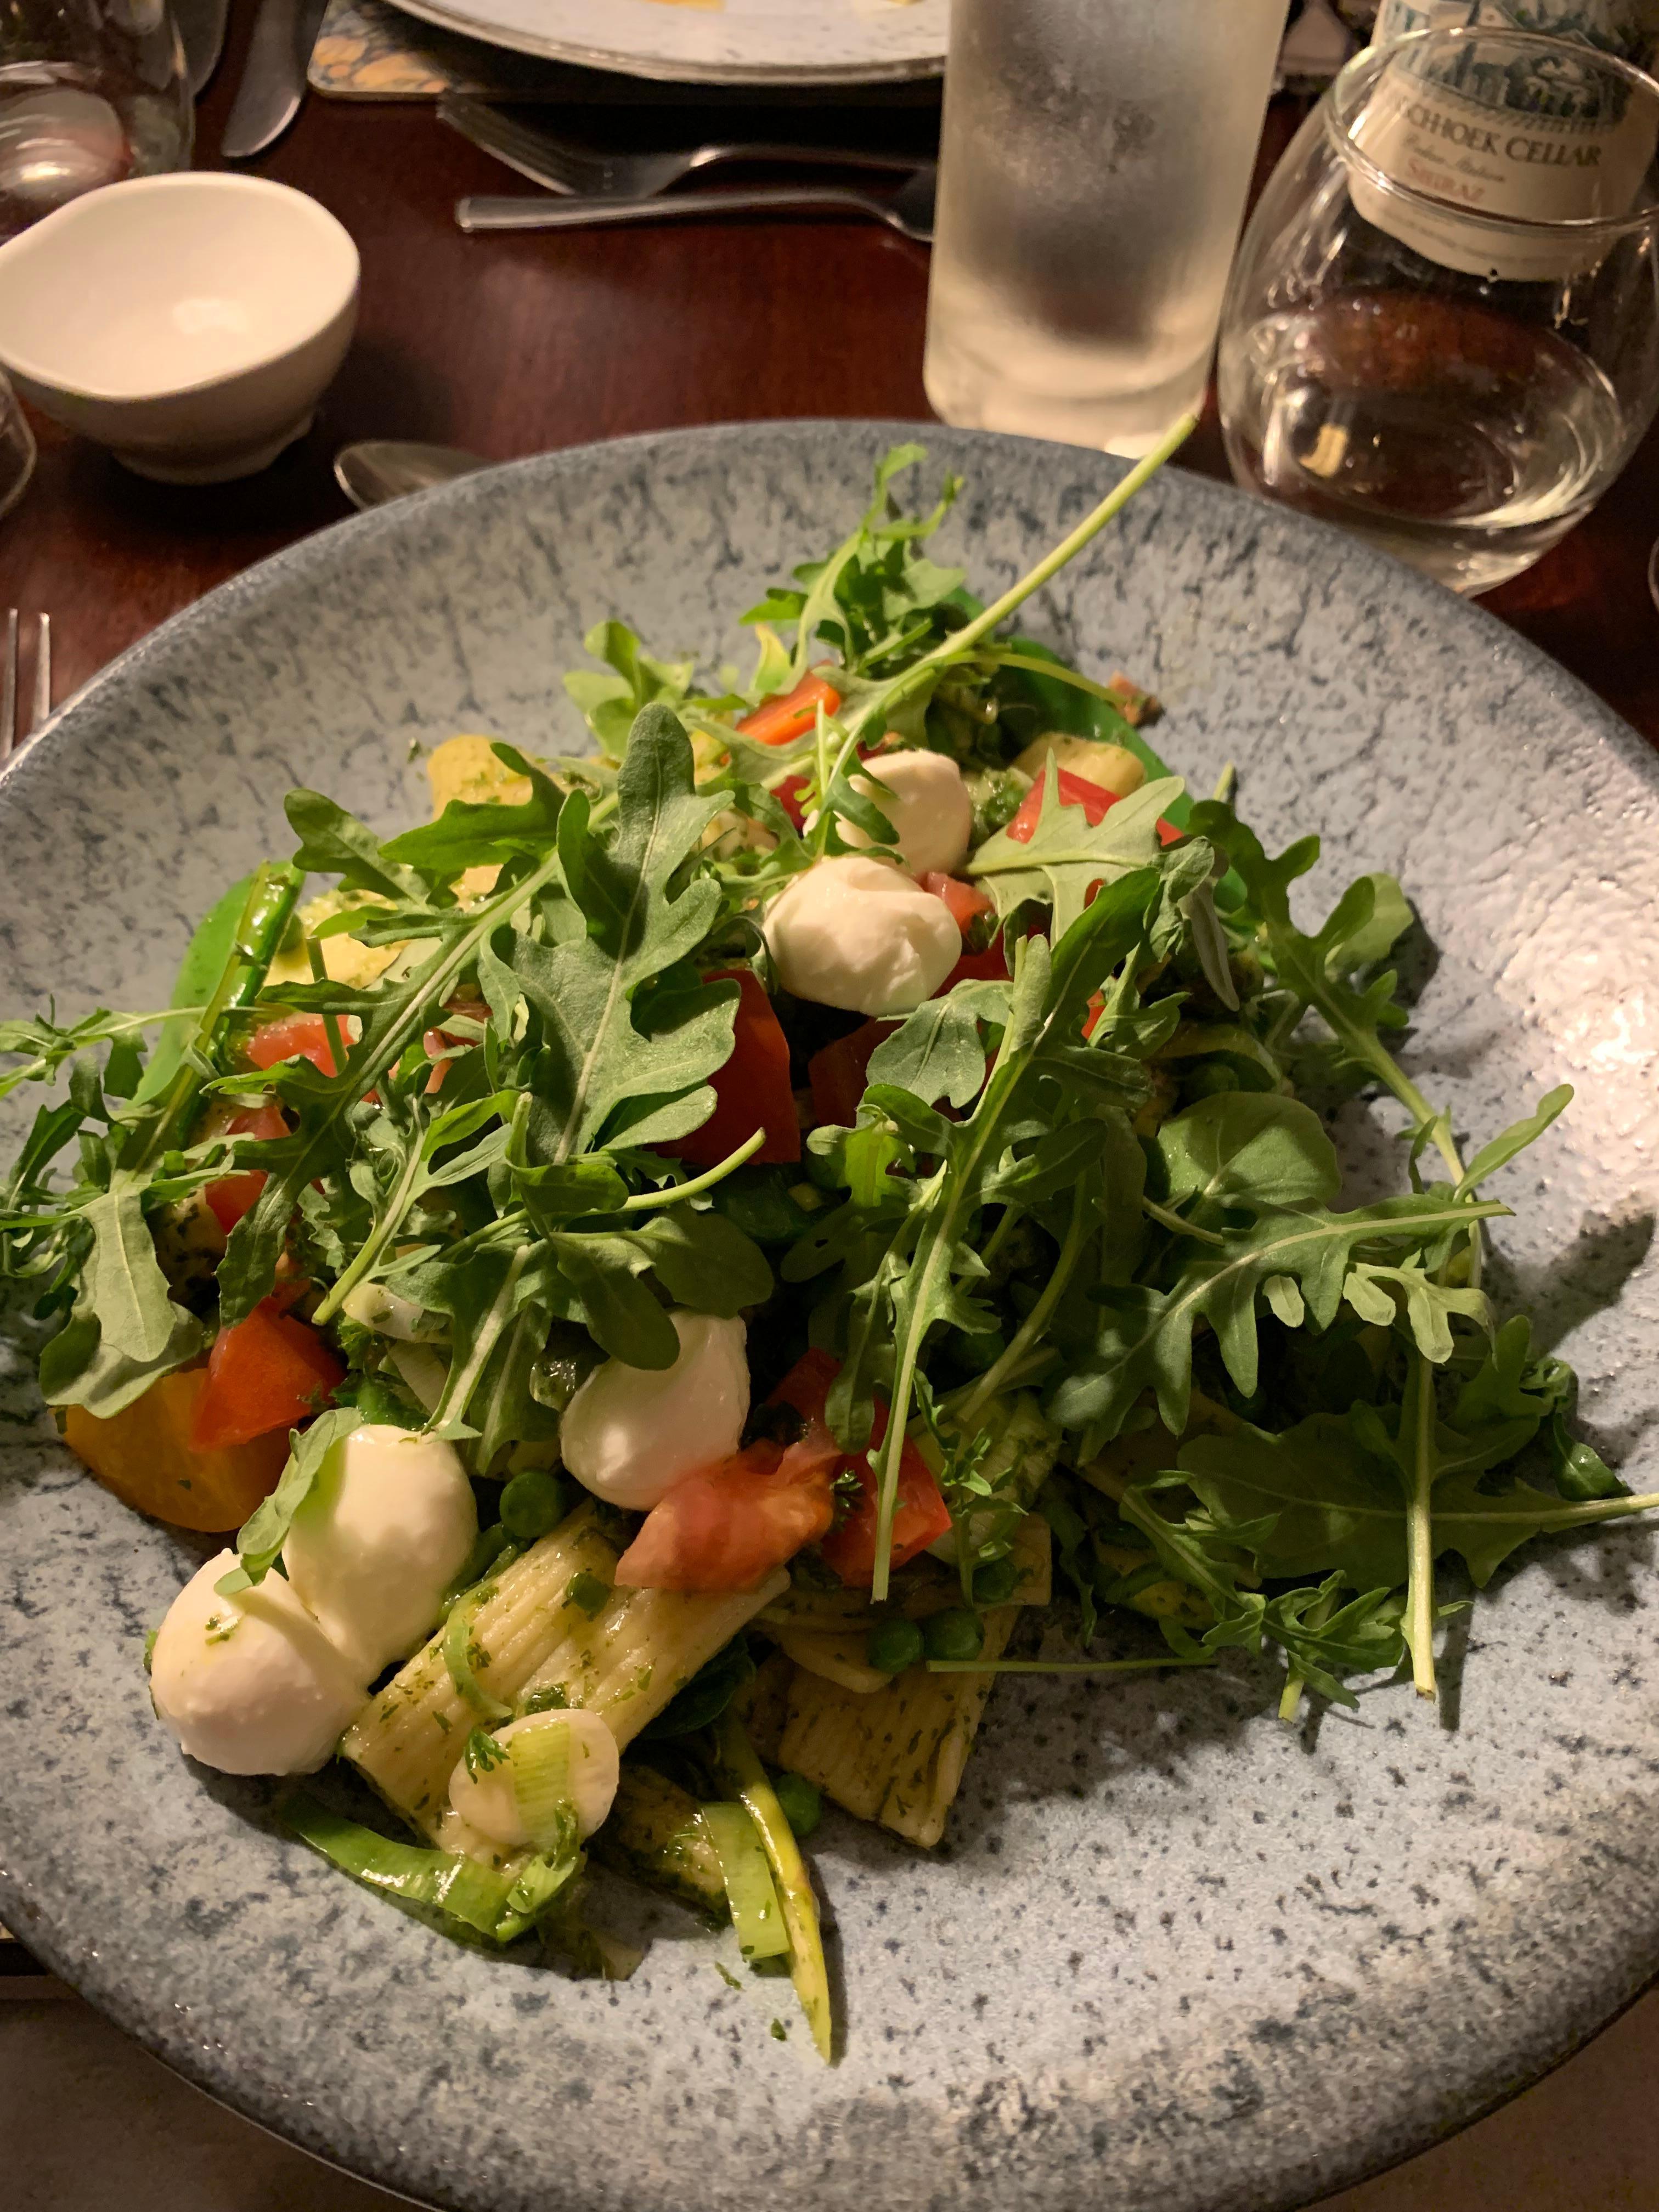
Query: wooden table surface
[{"x": 512, "y": 345}]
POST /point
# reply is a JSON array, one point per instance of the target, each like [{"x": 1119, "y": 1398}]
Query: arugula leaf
[
  {"x": 1144, "y": 1338},
  {"x": 265, "y": 1532},
  {"x": 596, "y": 1063},
  {"x": 705, "y": 1261},
  {"x": 411, "y": 1156},
  {"x": 334, "y": 842},
  {"x": 122, "y": 1280},
  {"x": 935, "y": 1053},
  {"x": 470, "y": 835},
  {"x": 1514, "y": 1140},
  {"x": 1248, "y": 1149},
  {"x": 393, "y": 1016},
  {"x": 1065, "y": 856},
  {"x": 1321, "y": 1643},
  {"x": 78, "y": 1368},
  {"x": 1366, "y": 938},
  {"x": 611, "y": 704},
  {"x": 1429, "y": 1304}
]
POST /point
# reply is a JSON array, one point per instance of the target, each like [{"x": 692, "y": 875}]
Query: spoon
[{"x": 380, "y": 469}]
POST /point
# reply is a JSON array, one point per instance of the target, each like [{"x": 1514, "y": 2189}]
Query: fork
[
  {"x": 563, "y": 168},
  {"x": 14, "y": 734},
  {"x": 909, "y": 211}
]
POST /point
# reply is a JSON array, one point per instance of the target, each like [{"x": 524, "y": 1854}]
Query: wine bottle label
[{"x": 1503, "y": 130}]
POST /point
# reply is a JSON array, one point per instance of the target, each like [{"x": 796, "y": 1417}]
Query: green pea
[
  {"x": 802, "y": 1801},
  {"x": 994, "y": 1583},
  {"x": 532, "y": 1504},
  {"x": 893, "y": 1645},
  {"x": 956, "y": 1634}
]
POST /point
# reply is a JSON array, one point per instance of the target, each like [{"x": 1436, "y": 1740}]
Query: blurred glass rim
[{"x": 1360, "y": 77}]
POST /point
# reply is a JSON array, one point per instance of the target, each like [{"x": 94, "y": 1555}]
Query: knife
[
  {"x": 201, "y": 30},
  {"x": 274, "y": 79}
]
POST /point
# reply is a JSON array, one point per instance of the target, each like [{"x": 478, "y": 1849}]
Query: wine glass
[
  {"x": 91, "y": 92},
  {"x": 1442, "y": 330}
]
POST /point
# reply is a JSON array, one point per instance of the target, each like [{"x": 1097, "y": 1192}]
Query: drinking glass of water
[
  {"x": 1094, "y": 160},
  {"x": 1442, "y": 330},
  {"x": 91, "y": 92}
]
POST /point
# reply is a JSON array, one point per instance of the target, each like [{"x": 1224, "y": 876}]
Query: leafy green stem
[
  {"x": 1054, "y": 670},
  {"x": 272, "y": 897},
  {"x": 1030, "y": 1332},
  {"x": 368, "y": 1256},
  {"x": 646, "y": 1202},
  {"x": 1182, "y": 1227},
  {"x": 960, "y": 645},
  {"x": 1072, "y": 1666},
  {"x": 1420, "y": 1523},
  {"x": 464, "y": 1377},
  {"x": 941, "y": 1208}
]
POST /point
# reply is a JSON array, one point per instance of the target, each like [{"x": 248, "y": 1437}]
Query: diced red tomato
[
  {"x": 967, "y": 901},
  {"x": 990, "y": 966},
  {"x": 790, "y": 714},
  {"x": 790, "y": 794},
  {"x": 1074, "y": 791},
  {"x": 725, "y": 1527},
  {"x": 231, "y": 1196},
  {"x": 921, "y": 1515},
  {"x": 292, "y": 1036},
  {"x": 839, "y": 1073},
  {"x": 268, "y": 1372},
  {"x": 435, "y": 1044},
  {"x": 752, "y": 1091}
]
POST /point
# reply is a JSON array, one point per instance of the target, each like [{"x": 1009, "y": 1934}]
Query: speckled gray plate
[
  {"x": 1173, "y": 1955},
  {"x": 734, "y": 42}
]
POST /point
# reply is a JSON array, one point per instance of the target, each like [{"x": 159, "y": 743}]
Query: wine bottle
[{"x": 1517, "y": 129}]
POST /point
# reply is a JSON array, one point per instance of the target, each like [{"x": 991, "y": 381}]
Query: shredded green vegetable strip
[
  {"x": 761, "y": 1932},
  {"x": 807, "y": 1970}
]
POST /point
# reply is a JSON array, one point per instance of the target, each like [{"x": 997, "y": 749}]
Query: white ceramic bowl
[{"x": 190, "y": 322}]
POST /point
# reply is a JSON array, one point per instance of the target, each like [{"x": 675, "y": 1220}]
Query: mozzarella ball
[
  {"x": 862, "y": 935},
  {"x": 489, "y": 1802},
  {"x": 931, "y": 812},
  {"x": 385, "y": 1530},
  {"x": 249, "y": 1684},
  {"x": 630, "y": 1433}
]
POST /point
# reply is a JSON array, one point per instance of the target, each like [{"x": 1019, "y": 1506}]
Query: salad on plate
[{"x": 674, "y": 1273}]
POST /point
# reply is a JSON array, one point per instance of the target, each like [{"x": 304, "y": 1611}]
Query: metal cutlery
[
  {"x": 376, "y": 469},
  {"x": 564, "y": 168},
  {"x": 202, "y": 33},
  {"x": 909, "y": 211},
  {"x": 274, "y": 78},
  {"x": 15, "y": 731}
]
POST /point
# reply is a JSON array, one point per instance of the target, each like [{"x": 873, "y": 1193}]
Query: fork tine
[
  {"x": 9, "y": 687},
  {"x": 577, "y": 171},
  {"x": 524, "y": 148},
  {"x": 42, "y": 675}
]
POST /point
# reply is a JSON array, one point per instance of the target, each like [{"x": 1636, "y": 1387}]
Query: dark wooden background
[{"x": 514, "y": 345}]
